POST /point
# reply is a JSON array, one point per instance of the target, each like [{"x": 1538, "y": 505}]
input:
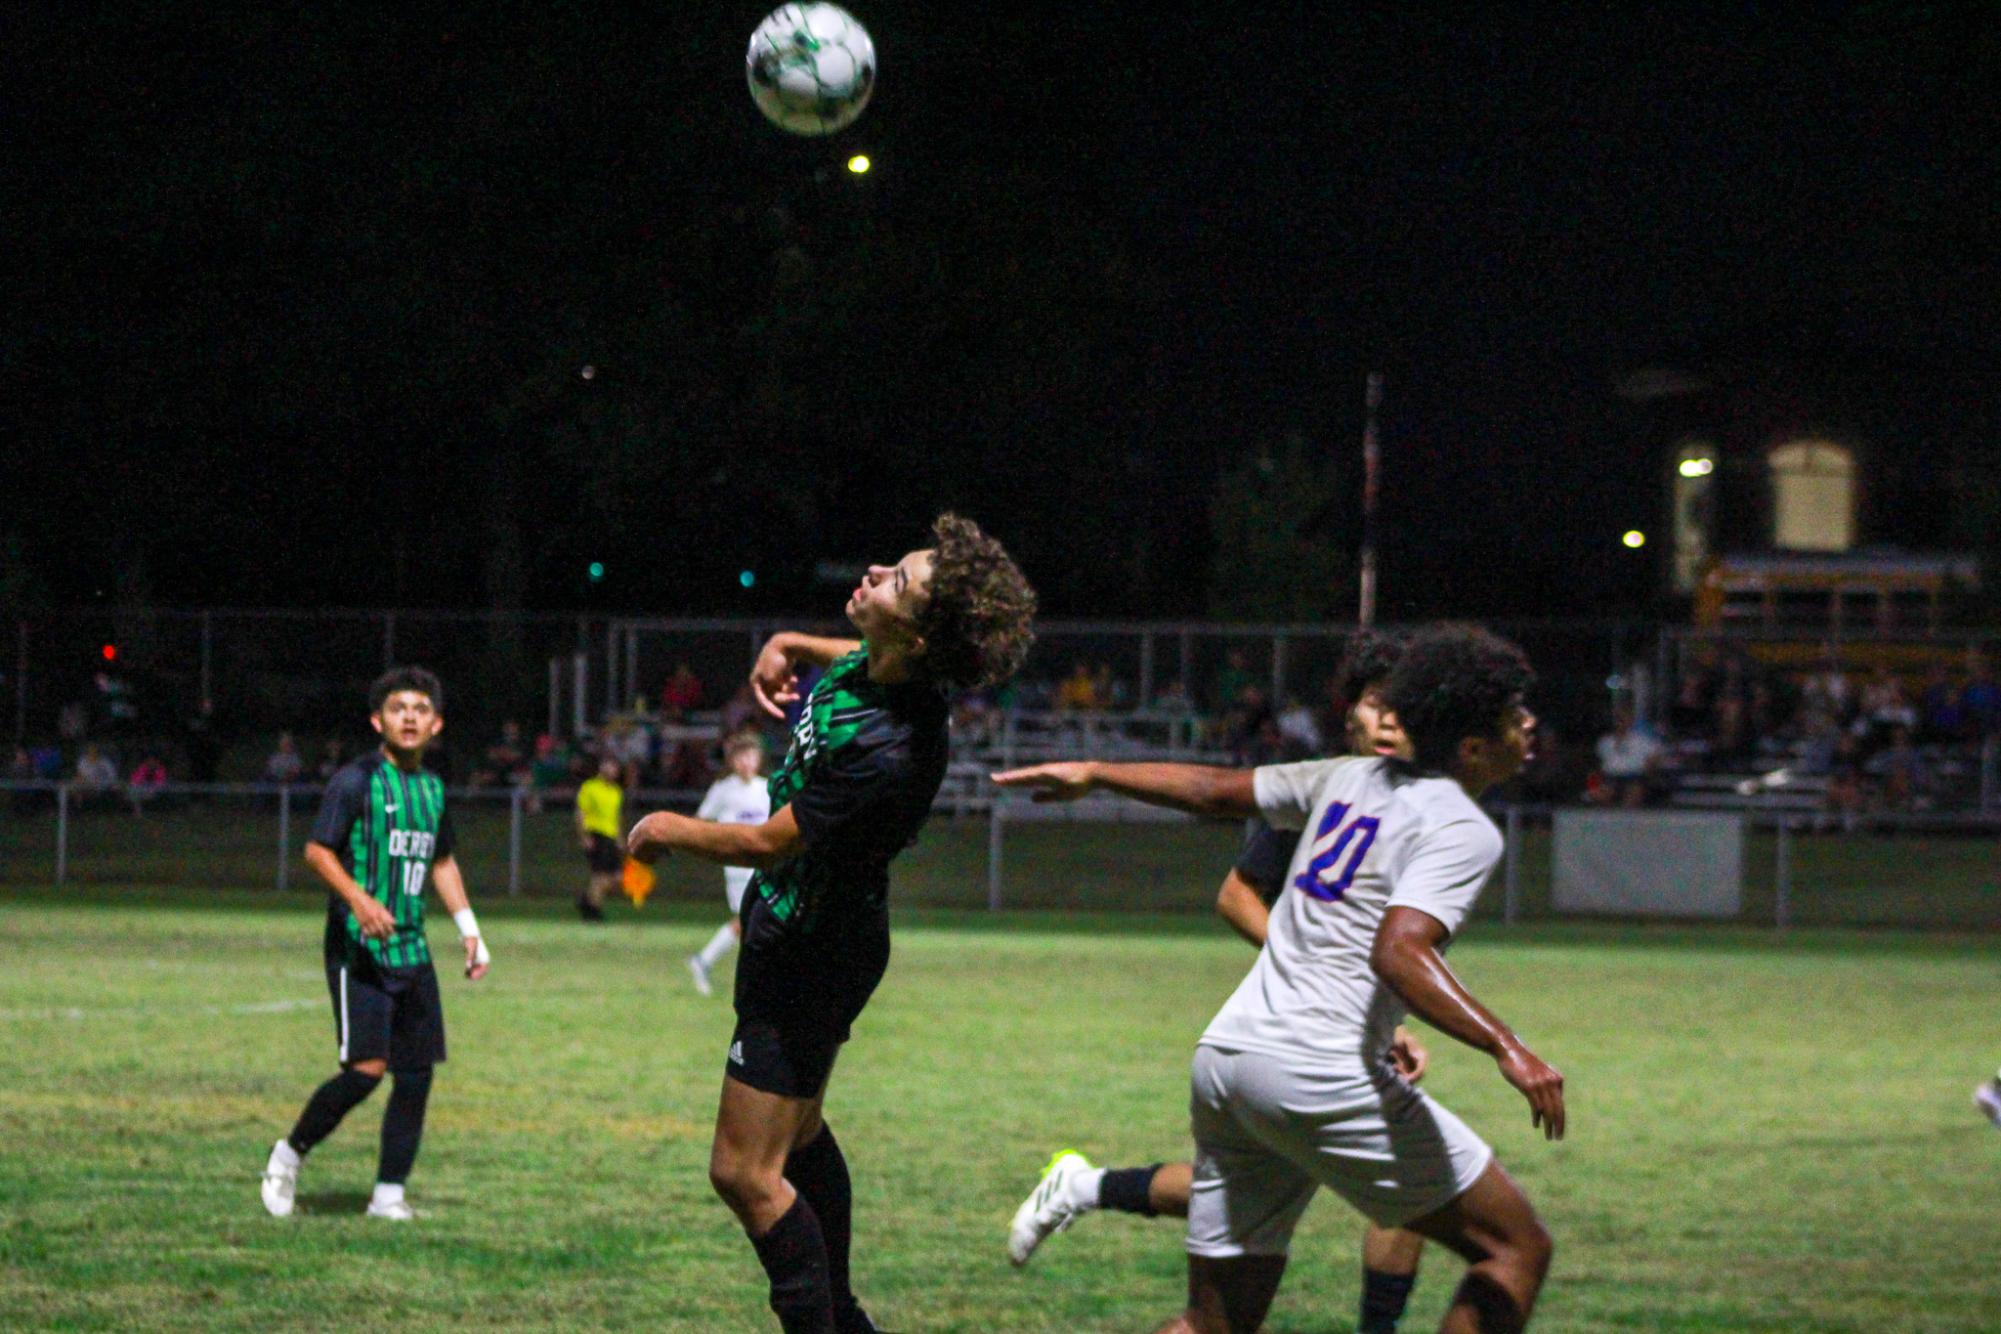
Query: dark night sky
[{"x": 299, "y": 301}]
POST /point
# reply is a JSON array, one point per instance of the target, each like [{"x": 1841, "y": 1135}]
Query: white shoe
[
  {"x": 396, "y": 1211},
  {"x": 281, "y": 1180},
  {"x": 1047, "y": 1210},
  {"x": 1988, "y": 1099},
  {"x": 700, "y": 972}
]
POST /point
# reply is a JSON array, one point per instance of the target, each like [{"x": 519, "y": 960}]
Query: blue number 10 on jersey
[{"x": 1343, "y": 851}]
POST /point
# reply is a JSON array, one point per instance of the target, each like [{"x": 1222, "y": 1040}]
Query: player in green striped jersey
[
  {"x": 382, "y": 832},
  {"x": 866, "y": 759}
]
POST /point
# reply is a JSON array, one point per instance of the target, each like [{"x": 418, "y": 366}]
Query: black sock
[
  {"x": 1383, "y": 1299},
  {"x": 403, "y": 1125},
  {"x": 794, "y": 1255},
  {"x": 819, "y": 1172},
  {"x": 329, "y": 1103},
  {"x": 1126, "y": 1189}
]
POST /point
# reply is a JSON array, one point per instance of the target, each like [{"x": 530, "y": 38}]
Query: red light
[{"x": 111, "y": 653}]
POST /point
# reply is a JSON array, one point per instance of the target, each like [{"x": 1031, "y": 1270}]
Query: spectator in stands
[
  {"x": 147, "y": 778},
  {"x": 739, "y": 712},
  {"x": 1885, "y": 706},
  {"x": 1231, "y": 680},
  {"x": 96, "y": 775},
  {"x": 1079, "y": 691},
  {"x": 1172, "y": 698},
  {"x": 1689, "y": 717},
  {"x": 1299, "y": 730},
  {"x": 284, "y": 764},
  {"x": 1629, "y": 758},
  {"x": 332, "y": 756},
  {"x": 1980, "y": 697},
  {"x": 506, "y": 759},
  {"x": 681, "y": 695},
  {"x": 1903, "y": 780},
  {"x": 1111, "y": 691},
  {"x": 48, "y": 759},
  {"x": 1732, "y": 741},
  {"x": 1941, "y": 719},
  {"x": 1847, "y": 793}
]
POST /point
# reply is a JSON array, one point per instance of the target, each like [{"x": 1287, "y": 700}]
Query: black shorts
[
  {"x": 797, "y": 997},
  {"x": 605, "y": 855},
  {"x": 387, "y": 1015}
]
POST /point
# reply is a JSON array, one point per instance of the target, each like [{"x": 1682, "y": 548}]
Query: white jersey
[
  {"x": 1375, "y": 836},
  {"x": 734, "y": 800}
]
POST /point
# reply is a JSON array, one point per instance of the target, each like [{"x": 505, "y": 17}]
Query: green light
[
  {"x": 859, "y": 164},
  {"x": 748, "y": 578},
  {"x": 596, "y": 570}
]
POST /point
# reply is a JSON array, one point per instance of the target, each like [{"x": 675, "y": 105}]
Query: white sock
[
  {"x": 387, "y": 1193},
  {"x": 284, "y": 1155},
  {"x": 1084, "y": 1189},
  {"x": 719, "y": 946}
]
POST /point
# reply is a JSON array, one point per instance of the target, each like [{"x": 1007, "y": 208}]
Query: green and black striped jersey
[
  {"x": 860, "y": 775},
  {"x": 387, "y": 826}
]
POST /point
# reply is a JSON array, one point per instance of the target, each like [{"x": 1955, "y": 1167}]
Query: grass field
[{"x": 1767, "y": 1134}]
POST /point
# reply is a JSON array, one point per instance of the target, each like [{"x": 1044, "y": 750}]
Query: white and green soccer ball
[{"x": 811, "y": 68}]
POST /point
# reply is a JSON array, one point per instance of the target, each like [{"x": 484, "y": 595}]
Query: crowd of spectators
[{"x": 1870, "y": 740}]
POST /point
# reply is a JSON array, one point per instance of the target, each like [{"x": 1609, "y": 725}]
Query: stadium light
[
  {"x": 748, "y": 578},
  {"x": 1634, "y": 538},
  {"x": 859, "y": 164},
  {"x": 596, "y": 570},
  {"x": 1697, "y": 467},
  {"x": 110, "y": 652}
]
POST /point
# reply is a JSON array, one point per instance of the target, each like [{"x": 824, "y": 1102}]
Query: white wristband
[{"x": 467, "y": 924}]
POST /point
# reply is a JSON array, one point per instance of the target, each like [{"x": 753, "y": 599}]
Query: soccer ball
[{"x": 811, "y": 68}]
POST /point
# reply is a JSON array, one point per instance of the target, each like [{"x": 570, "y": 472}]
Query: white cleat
[
  {"x": 1988, "y": 1099},
  {"x": 1047, "y": 1210},
  {"x": 396, "y": 1211},
  {"x": 700, "y": 972},
  {"x": 281, "y": 1180}
]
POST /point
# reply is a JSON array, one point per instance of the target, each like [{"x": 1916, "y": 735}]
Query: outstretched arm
[
  {"x": 1195, "y": 788},
  {"x": 754, "y": 845},
  {"x": 774, "y": 678},
  {"x": 1406, "y": 956}
]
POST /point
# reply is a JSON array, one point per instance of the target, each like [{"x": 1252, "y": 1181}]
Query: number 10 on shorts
[{"x": 1342, "y": 852}]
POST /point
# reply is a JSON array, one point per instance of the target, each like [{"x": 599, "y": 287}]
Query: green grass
[{"x": 1767, "y": 1134}]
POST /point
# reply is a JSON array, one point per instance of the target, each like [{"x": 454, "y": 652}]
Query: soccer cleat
[
  {"x": 396, "y": 1211},
  {"x": 1988, "y": 1099},
  {"x": 1047, "y": 1210},
  {"x": 700, "y": 972},
  {"x": 281, "y": 1180}
]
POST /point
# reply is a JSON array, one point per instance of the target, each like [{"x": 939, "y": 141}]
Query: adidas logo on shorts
[{"x": 736, "y": 1053}]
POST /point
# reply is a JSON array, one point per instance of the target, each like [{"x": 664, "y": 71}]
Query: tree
[{"x": 1275, "y": 556}]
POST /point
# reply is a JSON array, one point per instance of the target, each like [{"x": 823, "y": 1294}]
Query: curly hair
[
  {"x": 397, "y": 679},
  {"x": 976, "y": 622},
  {"x": 1372, "y": 655},
  {"x": 1455, "y": 681}
]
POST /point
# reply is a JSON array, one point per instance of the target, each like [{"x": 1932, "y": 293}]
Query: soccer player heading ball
[
  {"x": 382, "y": 832},
  {"x": 866, "y": 759},
  {"x": 1293, "y": 1086}
]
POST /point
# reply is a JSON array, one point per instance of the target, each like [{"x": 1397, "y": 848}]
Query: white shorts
[
  {"x": 736, "y": 879},
  {"x": 1267, "y": 1135}
]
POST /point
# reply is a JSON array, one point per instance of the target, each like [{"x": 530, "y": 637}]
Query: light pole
[{"x": 1372, "y": 466}]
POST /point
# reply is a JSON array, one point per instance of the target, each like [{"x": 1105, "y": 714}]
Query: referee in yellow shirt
[{"x": 601, "y": 831}]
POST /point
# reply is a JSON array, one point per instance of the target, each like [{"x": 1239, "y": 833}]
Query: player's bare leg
[
  {"x": 1506, "y": 1248},
  {"x": 1389, "y": 1271},
  {"x": 755, "y": 1133},
  {"x": 1227, "y": 1296}
]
